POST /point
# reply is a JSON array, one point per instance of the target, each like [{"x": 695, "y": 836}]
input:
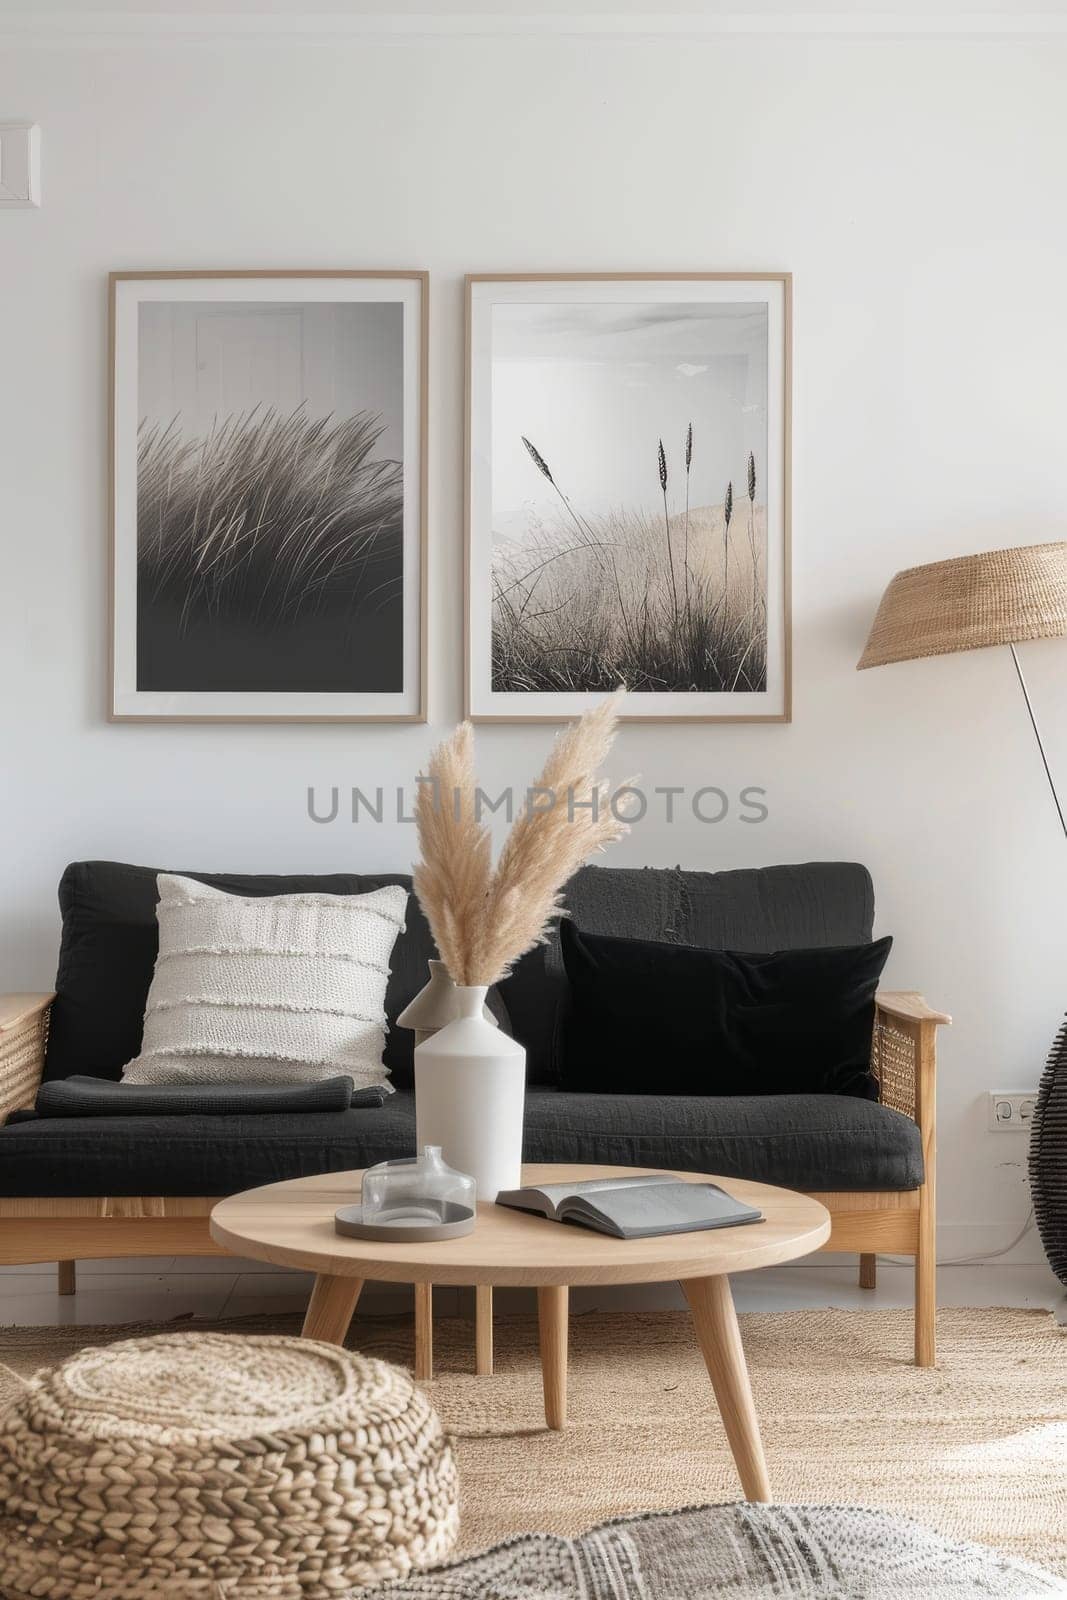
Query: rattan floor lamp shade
[{"x": 999, "y": 597}]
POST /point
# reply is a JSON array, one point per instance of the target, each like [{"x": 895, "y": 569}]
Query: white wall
[{"x": 913, "y": 186}]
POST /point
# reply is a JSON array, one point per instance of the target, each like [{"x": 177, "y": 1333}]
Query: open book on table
[{"x": 633, "y": 1208}]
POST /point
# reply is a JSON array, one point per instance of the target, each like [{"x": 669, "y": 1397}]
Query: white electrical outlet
[{"x": 1011, "y": 1110}]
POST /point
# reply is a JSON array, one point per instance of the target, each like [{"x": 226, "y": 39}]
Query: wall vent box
[{"x": 20, "y": 164}]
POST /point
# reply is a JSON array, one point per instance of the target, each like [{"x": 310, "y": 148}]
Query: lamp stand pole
[{"x": 1037, "y": 736}]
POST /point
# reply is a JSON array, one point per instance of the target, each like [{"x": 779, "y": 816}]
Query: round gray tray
[{"x": 455, "y": 1221}]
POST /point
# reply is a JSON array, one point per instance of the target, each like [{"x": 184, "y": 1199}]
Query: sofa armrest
[
  {"x": 23, "y": 1034},
  {"x": 908, "y": 1006},
  {"x": 904, "y": 1052}
]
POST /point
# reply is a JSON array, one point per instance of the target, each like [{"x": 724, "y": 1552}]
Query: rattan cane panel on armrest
[
  {"x": 894, "y": 1062},
  {"x": 22, "y": 1047}
]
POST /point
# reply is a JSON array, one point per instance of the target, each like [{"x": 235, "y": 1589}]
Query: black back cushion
[
  {"x": 802, "y": 906},
  {"x": 110, "y": 939},
  {"x": 108, "y": 953}
]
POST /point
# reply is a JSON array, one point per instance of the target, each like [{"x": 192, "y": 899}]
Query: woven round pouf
[{"x": 220, "y": 1467}]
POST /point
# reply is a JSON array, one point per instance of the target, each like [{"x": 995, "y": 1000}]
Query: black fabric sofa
[{"x": 873, "y": 1158}]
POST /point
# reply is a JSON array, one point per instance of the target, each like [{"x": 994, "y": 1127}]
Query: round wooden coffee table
[{"x": 291, "y": 1224}]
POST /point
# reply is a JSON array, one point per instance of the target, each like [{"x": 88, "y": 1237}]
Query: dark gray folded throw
[{"x": 99, "y": 1097}]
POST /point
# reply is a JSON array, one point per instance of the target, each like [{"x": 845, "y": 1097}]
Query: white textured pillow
[{"x": 284, "y": 989}]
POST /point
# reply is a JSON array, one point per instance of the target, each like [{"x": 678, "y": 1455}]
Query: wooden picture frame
[
  {"x": 544, "y": 306},
  {"x": 328, "y": 623}
]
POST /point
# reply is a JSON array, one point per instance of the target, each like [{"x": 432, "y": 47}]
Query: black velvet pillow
[{"x": 644, "y": 1018}]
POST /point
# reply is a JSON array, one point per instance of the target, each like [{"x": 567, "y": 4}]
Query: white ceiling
[
  {"x": 99, "y": 18},
  {"x": 526, "y": 9}
]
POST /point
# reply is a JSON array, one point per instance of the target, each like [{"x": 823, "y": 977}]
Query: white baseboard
[{"x": 956, "y": 1239}]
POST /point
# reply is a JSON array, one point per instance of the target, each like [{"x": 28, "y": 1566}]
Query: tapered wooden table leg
[
  {"x": 68, "y": 1276},
  {"x": 552, "y": 1307},
  {"x": 330, "y": 1308},
  {"x": 424, "y": 1332},
  {"x": 715, "y": 1320},
  {"x": 483, "y": 1330}
]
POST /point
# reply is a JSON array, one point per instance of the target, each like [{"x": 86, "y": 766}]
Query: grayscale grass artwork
[
  {"x": 628, "y": 568},
  {"x": 270, "y": 549}
]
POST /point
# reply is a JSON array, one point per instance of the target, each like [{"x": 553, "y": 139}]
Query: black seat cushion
[{"x": 800, "y": 1141}]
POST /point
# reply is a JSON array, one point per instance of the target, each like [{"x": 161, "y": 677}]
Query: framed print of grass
[
  {"x": 268, "y": 496},
  {"x": 628, "y": 488}
]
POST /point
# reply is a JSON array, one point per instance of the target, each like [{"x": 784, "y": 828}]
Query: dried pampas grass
[
  {"x": 483, "y": 919},
  {"x": 452, "y": 879}
]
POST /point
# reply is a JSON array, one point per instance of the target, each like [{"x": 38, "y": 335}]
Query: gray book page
[
  {"x": 672, "y": 1207},
  {"x": 555, "y": 1192}
]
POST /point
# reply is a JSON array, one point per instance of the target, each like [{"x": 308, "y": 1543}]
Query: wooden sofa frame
[{"x": 111, "y": 1226}]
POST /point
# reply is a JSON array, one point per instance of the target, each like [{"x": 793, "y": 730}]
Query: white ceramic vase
[
  {"x": 434, "y": 1005},
  {"x": 470, "y": 1089}
]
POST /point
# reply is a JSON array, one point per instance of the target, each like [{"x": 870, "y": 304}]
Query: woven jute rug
[{"x": 976, "y": 1448}]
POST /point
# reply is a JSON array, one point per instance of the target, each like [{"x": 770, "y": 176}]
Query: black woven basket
[{"x": 1048, "y": 1157}]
